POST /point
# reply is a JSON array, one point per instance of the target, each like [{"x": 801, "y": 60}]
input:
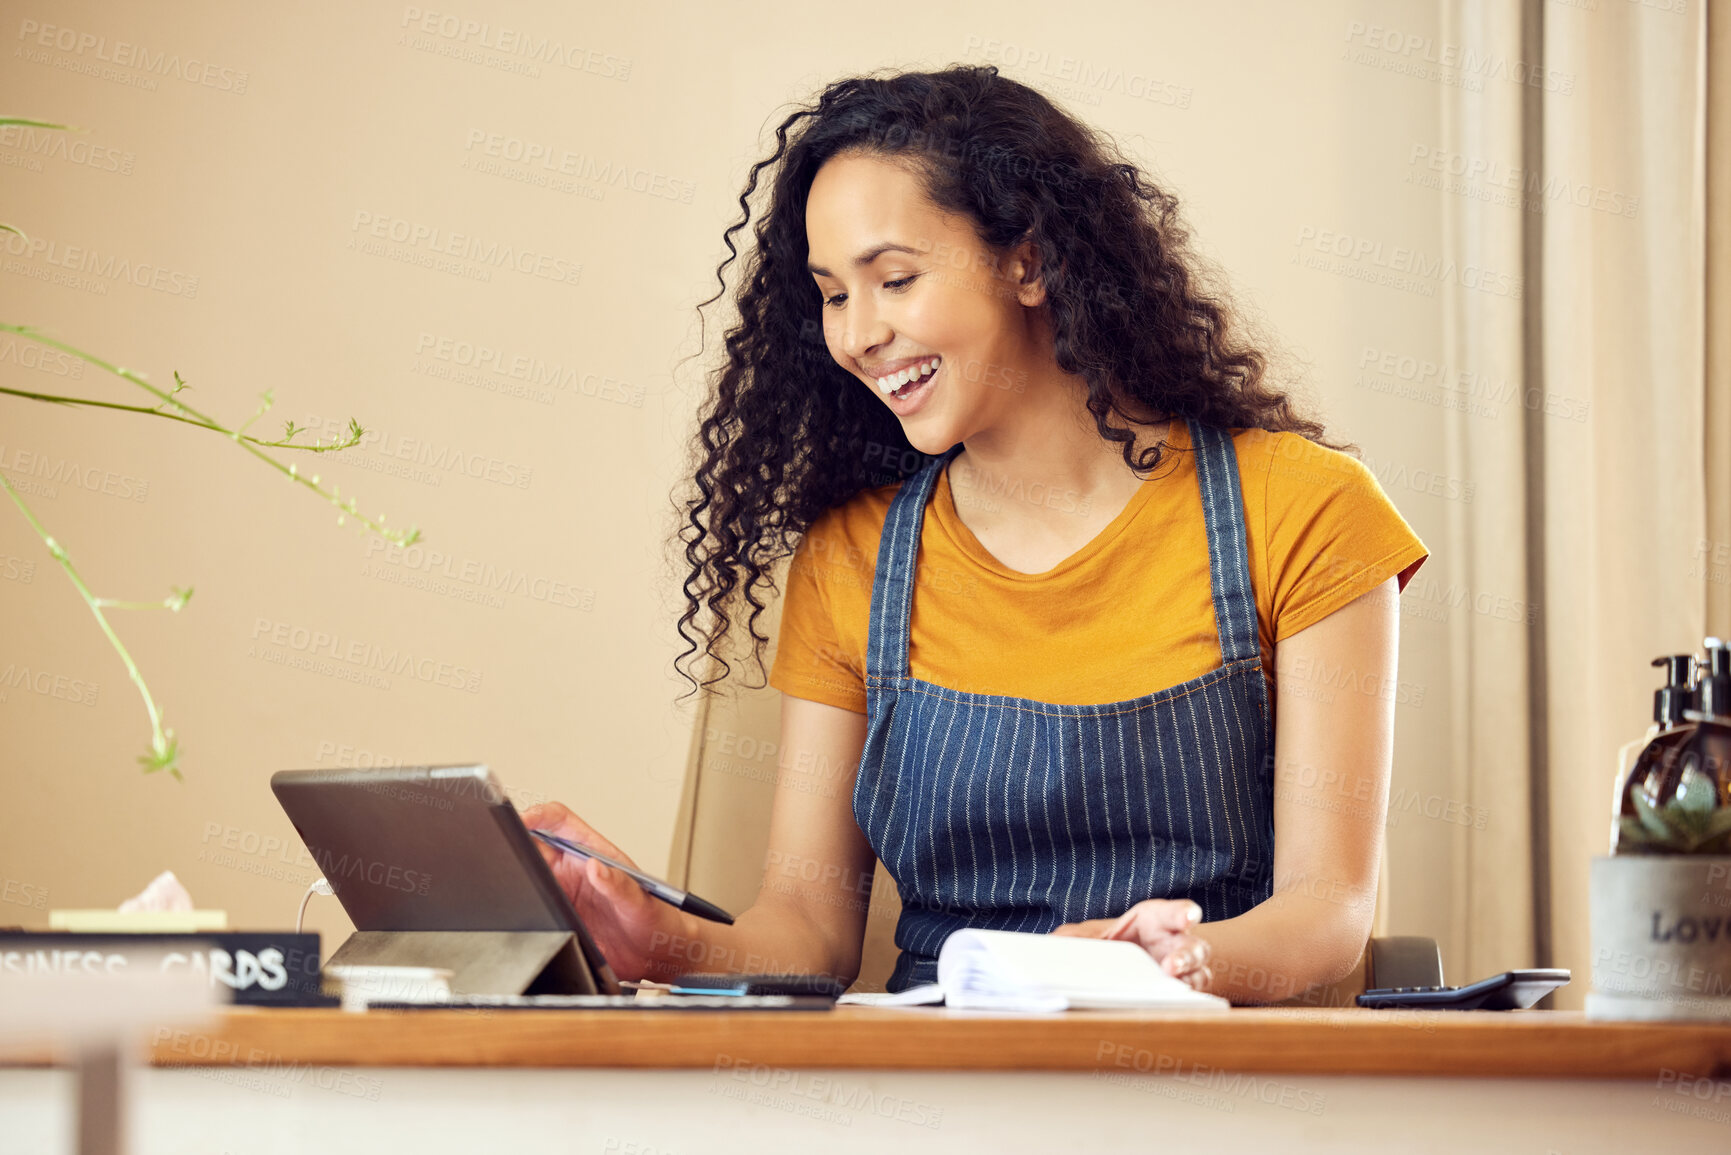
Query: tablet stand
[{"x": 482, "y": 962}]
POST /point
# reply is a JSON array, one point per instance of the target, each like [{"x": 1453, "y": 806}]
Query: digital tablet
[{"x": 430, "y": 848}]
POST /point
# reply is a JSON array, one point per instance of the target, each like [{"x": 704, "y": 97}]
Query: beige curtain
[
  {"x": 1491, "y": 923},
  {"x": 1600, "y": 448},
  {"x": 1716, "y": 553}
]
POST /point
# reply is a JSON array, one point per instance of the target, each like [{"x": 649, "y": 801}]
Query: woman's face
[{"x": 916, "y": 304}]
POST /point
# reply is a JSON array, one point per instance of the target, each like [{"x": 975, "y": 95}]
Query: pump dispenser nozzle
[
  {"x": 1713, "y": 691},
  {"x": 1671, "y": 699},
  {"x": 1674, "y": 796}
]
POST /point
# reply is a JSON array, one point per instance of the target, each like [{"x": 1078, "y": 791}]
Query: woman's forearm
[{"x": 1302, "y": 936}]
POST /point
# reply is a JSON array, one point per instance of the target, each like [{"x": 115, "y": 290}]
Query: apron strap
[
  {"x": 1228, "y": 549},
  {"x": 893, "y": 584}
]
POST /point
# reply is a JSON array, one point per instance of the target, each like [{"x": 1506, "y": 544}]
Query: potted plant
[{"x": 1661, "y": 900}]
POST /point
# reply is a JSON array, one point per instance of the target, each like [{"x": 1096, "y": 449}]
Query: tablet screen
[{"x": 427, "y": 848}]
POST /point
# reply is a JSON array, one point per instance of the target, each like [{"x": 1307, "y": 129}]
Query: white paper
[
  {"x": 391, "y": 984},
  {"x": 996, "y": 970},
  {"x": 1005, "y": 970}
]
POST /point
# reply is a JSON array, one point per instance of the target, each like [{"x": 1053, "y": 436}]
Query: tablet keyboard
[{"x": 615, "y": 1003}]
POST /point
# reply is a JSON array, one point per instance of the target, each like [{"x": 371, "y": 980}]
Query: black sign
[{"x": 254, "y": 968}]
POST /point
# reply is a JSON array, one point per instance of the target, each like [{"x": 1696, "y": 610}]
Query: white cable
[{"x": 319, "y": 886}]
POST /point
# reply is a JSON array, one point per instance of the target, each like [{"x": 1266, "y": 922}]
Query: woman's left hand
[{"x": 1161, "y": 926}]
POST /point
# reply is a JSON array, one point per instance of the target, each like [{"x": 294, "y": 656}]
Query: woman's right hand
[{"x": 632, "y": 928}]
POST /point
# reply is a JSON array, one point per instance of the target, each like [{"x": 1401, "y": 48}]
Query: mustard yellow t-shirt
[{"x": 1128, "y": 614}]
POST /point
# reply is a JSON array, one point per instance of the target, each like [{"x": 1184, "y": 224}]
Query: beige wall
[{"x": 1259, "y": 115}]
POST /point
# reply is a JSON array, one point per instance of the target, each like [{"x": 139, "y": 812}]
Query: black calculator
[{"x": 1509, "y": 991}]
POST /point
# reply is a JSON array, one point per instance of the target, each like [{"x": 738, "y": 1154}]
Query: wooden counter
[
  {"x": 928, "y": 1081},
  {"x": 1530, "y": 1044}
]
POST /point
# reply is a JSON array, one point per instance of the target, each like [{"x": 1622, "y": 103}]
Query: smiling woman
[{"x": 1048, "y": 526}]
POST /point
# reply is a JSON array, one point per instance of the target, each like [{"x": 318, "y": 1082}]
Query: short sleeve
[
  {"x": 809, "y": 659},
  {"x": 1332, "y": 534}
]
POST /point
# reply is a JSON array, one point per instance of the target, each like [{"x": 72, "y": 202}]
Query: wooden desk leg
[{"x": 101, "y": 1105}]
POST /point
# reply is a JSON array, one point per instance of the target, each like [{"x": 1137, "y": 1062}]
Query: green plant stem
[
  {"x": 152, "y": 411},
  {"x": 348, "y": 508},
  {"x": 161, "y": 740}
]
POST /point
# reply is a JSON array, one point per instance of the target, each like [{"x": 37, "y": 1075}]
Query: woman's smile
[
  {"x": 907, "y": 390},
  {"x": 905, "y": 373}
]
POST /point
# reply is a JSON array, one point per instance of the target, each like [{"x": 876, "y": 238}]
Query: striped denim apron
[{"x": 1010, "y": 814}]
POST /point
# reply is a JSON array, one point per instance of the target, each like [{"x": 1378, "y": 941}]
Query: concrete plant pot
[{"x": 1661, "y": 934}]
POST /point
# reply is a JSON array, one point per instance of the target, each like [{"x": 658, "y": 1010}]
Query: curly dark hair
[{"x": 787, "y": 434}]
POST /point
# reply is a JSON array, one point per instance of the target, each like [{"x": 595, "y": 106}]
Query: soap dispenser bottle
[
  {"x": 1669, "y": 702},
  {"x": 1677, "y": 799}
]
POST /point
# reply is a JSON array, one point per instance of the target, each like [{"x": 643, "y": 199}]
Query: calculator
[{"x": 1509, "y": 991}]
